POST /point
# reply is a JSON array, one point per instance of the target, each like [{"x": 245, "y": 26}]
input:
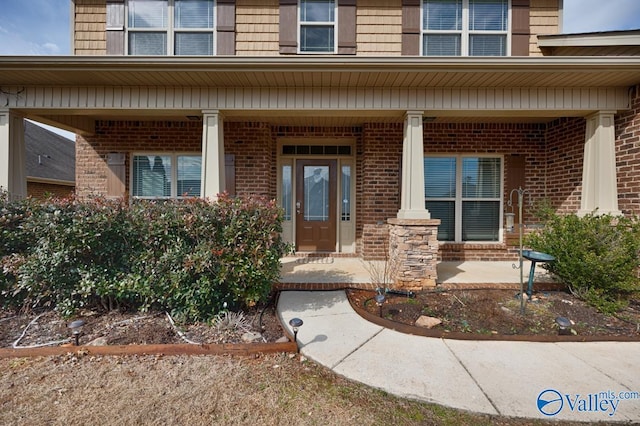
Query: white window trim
[
  {"x": 458, "y": 199},
  {"x": 465, "y": 33},
  {"x": 334, "y": 23},
  {"x": 170, "y": 30},
  {"x": 174, "y": 173}
]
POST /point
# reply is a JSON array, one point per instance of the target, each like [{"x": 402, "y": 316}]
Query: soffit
[{"x": 320, "y": 72}]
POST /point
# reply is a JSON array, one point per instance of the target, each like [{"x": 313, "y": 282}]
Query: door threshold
[{"x": 323, "y": 254}]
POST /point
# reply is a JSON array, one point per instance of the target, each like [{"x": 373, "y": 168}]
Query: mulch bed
[{"x": 485, "y": 312}]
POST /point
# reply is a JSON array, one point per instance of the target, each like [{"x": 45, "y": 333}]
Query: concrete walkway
[{"x": 580, "y": 381}]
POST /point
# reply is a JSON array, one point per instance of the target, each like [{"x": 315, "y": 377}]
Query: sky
[{"x": 42, "y": 27}]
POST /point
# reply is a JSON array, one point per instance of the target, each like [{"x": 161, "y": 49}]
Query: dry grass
[{"x": 269, "y": 390}]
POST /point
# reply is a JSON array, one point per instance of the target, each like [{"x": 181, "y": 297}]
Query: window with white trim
[
  {"x": 166, "y": 175},
  {"x": 465, "y": 27},
  {"x": 464, "y": 192},
  {"x": 174, "y": 27},
  {"x": 317, "y": 26}
]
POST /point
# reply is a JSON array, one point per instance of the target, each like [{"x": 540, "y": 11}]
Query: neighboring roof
[
  {"x": 602, "y": 38},
  {"x": 50, "y": 157},
  {"x": 318, "y": 71}
]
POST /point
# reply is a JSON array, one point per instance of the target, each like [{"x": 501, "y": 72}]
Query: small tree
[{"x": 596, "y": 256}]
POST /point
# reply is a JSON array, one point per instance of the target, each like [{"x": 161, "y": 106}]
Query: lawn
[{"x": 277, "y": 389}]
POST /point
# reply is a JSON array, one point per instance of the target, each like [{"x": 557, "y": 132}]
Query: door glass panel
[
  {"x": 286, "y": 191},
  {"x": 346, "y": 193},
  {"x": 316, "y": 193}
]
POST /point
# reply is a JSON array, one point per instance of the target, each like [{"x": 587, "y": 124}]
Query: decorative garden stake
[
  {"x": 76, "y": 329},
  {"x": 295, "y": 324}
]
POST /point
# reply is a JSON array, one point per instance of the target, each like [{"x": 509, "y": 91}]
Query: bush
[
  {"x": 192, "y": 257},
  {"x": 596, "y": 256}
]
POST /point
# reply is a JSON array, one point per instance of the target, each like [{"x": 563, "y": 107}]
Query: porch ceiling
[
  {"x": 319, "y": 71},
  {"x": 307, "y": 118}
]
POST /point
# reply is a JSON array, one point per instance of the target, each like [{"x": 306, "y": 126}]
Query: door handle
[{"x": 298, "y": 207}]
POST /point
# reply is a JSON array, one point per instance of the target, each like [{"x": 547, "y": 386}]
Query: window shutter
[
  {"x": 226, "y": 27},
  {"x": 230, "y": 174},
  {"x": 515, "y": 177},
  {"x": 288, "y": 26},
  {"x": 346, "y": 27},
  {"x": 520, "y": 30},
  {"x": 115, "y": 27},
  {"x": 411, "y": 27}
]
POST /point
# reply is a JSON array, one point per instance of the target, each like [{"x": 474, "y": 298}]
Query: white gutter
[{"x": 316, "y": 63}]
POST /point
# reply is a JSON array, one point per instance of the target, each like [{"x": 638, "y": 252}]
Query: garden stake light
[
  {"x": 76, "y": 329},
  {"x": 295, "y": 324}
]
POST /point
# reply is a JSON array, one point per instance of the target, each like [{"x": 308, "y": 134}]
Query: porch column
[
  {"x": 599, "y": 184},
  {"x": 412, "y": 192},
  {"x": 212, "y": 155},
  {"x": 12, "y": 155}
]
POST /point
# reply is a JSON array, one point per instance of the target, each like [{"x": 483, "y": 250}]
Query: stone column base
[{"x": 413, "y": 252}]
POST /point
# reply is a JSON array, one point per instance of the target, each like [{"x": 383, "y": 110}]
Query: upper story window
[
  {"x": 465, "y": 27},
  {"x": 317, "y": 21},
  {"x": 170, "y": 27}
]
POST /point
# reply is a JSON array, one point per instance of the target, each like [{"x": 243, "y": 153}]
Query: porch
[{"x": 326, "y": 273}]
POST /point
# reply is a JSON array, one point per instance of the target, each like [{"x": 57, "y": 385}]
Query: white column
[
  {"x": 599, "y": 183},
  {"x": 213, "y": 171},
  {"x": 412, "y": 191},
  {"x": 12, "y": 155}
]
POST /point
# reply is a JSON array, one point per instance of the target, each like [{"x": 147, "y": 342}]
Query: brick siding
[
  {"x": 553, "y": 155},
  {"x": 628, "y": 156},
  {"x": 42, "y": 190}
]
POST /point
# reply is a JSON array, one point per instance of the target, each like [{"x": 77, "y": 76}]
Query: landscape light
[
  {"x": 76, "y": 329},
  {"x": 295, "y": 324},
  {"x": 564, "y": 326}
]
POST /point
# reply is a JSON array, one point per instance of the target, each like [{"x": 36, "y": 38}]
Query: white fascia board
[{"x": 594, "y": 39}]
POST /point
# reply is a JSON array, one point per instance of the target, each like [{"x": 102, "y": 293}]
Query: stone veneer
[{"x": 413, "y": 252}]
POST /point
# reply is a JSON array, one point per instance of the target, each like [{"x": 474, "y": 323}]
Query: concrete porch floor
[{"x": 354, "y": 270}]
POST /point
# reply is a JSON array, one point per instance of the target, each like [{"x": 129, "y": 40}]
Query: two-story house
[{"x": 378, "y": 125}]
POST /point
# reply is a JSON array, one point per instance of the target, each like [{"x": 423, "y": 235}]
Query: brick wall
[
  {"x": 565, "y": 154},
  {"x": 254, "y": 149},
  {"x": 628, "y": 156},
  {"x": 379, "y": 194},
  {"x": 42, "y": 190}
]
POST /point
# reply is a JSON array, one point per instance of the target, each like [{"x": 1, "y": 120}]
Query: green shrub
[
  {"x": 192, "y": 257},
  {"x": 596, "y": 256}
]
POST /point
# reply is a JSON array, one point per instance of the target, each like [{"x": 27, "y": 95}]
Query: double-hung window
[
  {"x": 465, "y": 27},
  {"x": 464, "y": 192},
  {"x": 170, "y": 27},
  {"x": 317, "y": 26},
  {"x": 166, "y": 175}
]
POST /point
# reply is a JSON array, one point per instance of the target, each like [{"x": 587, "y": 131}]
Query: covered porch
[
  {"x": 373, "y": 119},
  {"x": 328, "y": 273}
]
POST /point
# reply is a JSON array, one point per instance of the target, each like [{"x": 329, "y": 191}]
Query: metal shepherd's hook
[{"x": 521, "y": 192}]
